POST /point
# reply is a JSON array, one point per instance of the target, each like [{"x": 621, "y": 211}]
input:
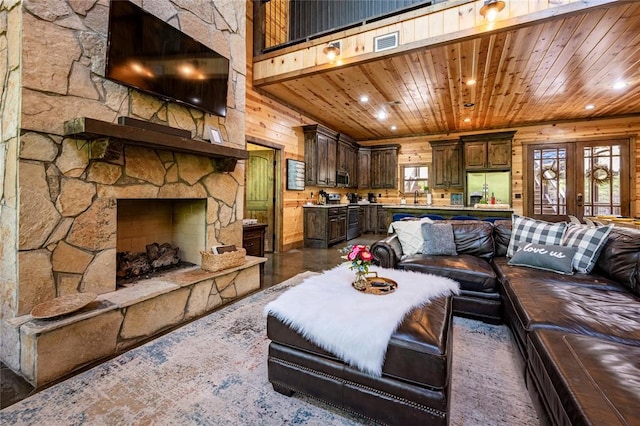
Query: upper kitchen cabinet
[
  {"x": 384, "y": 166},
  {"x": 348, "y": 158},
  {"x": 447, "y": 164},
  {"x": 320, "y": 155},
  {"x": 490, "y": 151},
  {"x": 364, "y": 168}
]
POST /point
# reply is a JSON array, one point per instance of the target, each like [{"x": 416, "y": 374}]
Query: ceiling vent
[{"x": 385, "y": 42}]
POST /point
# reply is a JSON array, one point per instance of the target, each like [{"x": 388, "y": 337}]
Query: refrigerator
[{"x": 484, "y": 184}]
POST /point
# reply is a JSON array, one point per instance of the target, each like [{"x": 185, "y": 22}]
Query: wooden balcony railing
[{"x": 281, "y": 23}]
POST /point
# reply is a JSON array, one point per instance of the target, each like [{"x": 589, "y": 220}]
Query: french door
[{"x": 584, "y": 178}]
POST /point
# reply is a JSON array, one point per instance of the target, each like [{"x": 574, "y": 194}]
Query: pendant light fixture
[
  {"x": 332, "y": 50},
  {"x": 491, "y": 8}
]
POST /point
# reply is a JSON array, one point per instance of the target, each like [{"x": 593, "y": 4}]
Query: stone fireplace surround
[
  {"x": 69, "y": 230},
  {"x": 58, "y": 199}
]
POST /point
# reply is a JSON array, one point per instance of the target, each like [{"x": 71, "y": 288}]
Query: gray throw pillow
[
  {"x": 528, "y": 230},
  {"x": 438, "y": 239},
  {"x": 552, "y": 258}
]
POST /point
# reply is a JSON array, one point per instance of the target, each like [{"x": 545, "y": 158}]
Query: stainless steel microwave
[{"x": 342, "y": 179}]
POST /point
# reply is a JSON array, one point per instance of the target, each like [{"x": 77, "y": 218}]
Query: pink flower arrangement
[{"x": 359, "y": 256}]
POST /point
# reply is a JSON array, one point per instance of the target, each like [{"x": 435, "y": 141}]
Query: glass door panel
[
  {"x": 549, "y": 192},
  {"x": 602, "y": 169}
]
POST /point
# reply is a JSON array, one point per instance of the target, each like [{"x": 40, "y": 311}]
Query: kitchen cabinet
[
  {"x": 337, "y": 226},
  {"x": 324, "y": 226},
  {"x": 378, "y": 167},
  {"x": 373, "y": 219},
  {"x": 489, "y": 151},
  {"x": 320, "y": 155},
  {"x": 382, "y": 219},
  {"x": 348, "y": 159},
  {"x": 369, "y": 224},
  {"x": 384, "y": 166},
  {"x": 364, "y": 168},
  {"x": 447, "y": 165}
]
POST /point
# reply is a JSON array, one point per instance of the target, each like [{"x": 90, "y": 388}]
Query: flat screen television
[{"x": 150, "y": 55}]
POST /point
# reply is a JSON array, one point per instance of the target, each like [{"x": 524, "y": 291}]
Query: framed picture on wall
[
  {"x": 295, "y": 175},
  {"x": 214, "y": 135}
]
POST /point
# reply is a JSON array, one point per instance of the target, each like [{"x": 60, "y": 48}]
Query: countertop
[
  {"x": 497, "y": 208},
  {"x": 329, "y": 206}
]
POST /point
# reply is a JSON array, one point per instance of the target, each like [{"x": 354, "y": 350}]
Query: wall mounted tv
[{"x": 148, "y": 54}]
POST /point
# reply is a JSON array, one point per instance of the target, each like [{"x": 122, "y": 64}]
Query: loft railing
[{"x": 282, "y": 23}]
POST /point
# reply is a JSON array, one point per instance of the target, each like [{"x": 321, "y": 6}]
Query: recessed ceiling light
[
  {"x": 471, "y": 82},
  {"x": 590, "y": 106},
  {"x": 467, "y": 120},
  {"x": 382, "y": 115},
  {"x": 619, "y": 85},
  {"x": 393, "y": 127},
  {"x": 469, "y": 104},
  {"x": 364, "y": 98}
]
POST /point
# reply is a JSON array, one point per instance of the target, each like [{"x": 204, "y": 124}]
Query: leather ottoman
[{"x": 415, "y": 382}]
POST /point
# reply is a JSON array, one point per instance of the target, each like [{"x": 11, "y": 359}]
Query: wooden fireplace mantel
[{"x": 108, "y": 139}]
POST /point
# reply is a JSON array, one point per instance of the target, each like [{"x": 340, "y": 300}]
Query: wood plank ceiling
[{"x": 543, "y": 72}]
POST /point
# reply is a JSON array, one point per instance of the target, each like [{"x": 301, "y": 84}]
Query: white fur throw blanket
[{"x": 355, "y": 326}]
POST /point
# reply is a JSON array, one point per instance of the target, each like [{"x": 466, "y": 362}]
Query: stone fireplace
[{"x": 61, "y": 196}]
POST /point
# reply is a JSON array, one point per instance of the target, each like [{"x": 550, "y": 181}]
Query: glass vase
[{"x": 360, "y": 283}]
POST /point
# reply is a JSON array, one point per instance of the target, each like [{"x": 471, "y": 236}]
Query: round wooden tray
[
  {"x": 378, "y": 285},
  {"x": 62, "y": 305}
]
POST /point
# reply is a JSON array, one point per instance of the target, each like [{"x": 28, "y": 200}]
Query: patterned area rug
[{"x": 213, "y": 372}]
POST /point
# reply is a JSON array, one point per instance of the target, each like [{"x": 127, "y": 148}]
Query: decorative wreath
[
  {"x": 549, "y": 172},
  {"x": 600, "y": 174}
]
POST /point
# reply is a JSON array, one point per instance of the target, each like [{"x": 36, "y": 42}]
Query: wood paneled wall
[{"x": 269, "y": 121}]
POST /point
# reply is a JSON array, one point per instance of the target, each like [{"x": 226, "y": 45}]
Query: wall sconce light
[
  {"x": 491, "y": 8},
  {"x": 332, "y": 50}
]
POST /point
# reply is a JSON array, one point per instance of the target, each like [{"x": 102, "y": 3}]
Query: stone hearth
[{"x": 122, "y": 319}]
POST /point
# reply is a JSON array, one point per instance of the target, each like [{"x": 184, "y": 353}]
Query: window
[{"x": 415, "y": 178}]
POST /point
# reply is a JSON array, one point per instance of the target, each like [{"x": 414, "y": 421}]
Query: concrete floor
[
  {"x": 282, "y": 266},
  {"x": 278, "y": 268}
]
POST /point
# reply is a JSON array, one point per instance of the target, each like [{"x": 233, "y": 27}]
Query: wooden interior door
[
  {"x": 584, "y": 178},
  {"x": 260, "y": 191}
]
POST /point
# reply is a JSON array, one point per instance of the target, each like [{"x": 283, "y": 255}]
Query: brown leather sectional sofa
[
  {"x": 477, "y": 244},
  {"x": 579, "y": 335}
]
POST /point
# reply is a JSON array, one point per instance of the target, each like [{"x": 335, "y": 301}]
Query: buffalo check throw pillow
[
  {"x": 588, "y": 241},
  {"x": 527, "y": 230}
]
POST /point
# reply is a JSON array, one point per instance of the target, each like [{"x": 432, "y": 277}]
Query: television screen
[{"x": 148, "y": 54}]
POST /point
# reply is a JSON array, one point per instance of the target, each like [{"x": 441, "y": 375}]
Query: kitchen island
[{"x": 480, "y": 212}]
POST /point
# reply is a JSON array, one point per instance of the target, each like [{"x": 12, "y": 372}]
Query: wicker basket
[{"x": 217, "y": 262}]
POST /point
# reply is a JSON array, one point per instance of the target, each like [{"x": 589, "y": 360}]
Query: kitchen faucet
[{"x": 415, "y": 197}]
